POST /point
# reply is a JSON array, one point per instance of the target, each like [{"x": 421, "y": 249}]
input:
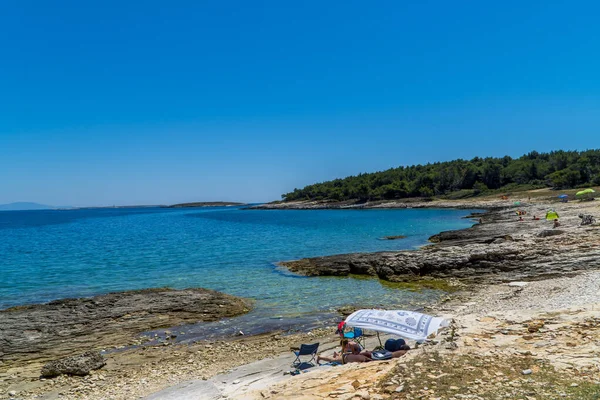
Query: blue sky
[{"x": 106, "y": 102}]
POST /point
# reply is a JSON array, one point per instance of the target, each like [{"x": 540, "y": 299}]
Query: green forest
[{"x": 557, "y": 169}]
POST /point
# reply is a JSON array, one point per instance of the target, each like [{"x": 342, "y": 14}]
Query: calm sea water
[{"x": 47, "y": 255}]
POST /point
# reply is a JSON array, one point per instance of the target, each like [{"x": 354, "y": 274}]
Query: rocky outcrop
[
  {"x": 63, "y": 327},
  {"x": 80, "y": 365},
  {"x": 498, "y": 249},
  {"x": 550, "y": 232}
]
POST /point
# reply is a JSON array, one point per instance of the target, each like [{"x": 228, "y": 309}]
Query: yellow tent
[
  {"x": 551, "y": 215},
  {"x": 584, "y": 192},
  {"x": 587, "y": 194}
]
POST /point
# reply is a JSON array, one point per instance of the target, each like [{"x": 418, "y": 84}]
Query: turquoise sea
[{"x": 47, "y": 255}]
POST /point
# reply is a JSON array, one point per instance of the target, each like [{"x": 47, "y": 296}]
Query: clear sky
[{"x": 130, "y": 102}]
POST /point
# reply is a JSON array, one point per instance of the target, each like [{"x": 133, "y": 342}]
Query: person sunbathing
[
  {"x": 399, "y": 353},
  {"x": 397, "y": 347},
  {"x": 348, "y": 354}
]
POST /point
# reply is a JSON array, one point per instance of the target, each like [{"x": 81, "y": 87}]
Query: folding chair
[
  {"x": 305, "y": 350},
  {"x": 357, "y": 335}
]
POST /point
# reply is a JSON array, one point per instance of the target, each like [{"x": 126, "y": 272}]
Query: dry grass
[{"x": 455, "y": 376}]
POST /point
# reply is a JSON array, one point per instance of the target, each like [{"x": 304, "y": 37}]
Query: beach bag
[
  {"x": 381, "y": 355},
  {"x": 394, "y": 344}
]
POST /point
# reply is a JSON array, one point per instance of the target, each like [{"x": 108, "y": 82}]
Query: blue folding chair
[
  {"x": 305, "y": 350},
  {"x": 357, "y": 335}
]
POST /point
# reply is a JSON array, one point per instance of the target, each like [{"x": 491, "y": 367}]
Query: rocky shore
[
  {"x": 65, "y": 327},
  {"x": 379, "y": 204},
  {"x": 498, "y": 249},
  {"x": 533, "y": 341},
  {"x": 525, "y": 326}
]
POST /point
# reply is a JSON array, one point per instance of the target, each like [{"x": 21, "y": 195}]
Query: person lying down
[{"x": 352, "y": 352}]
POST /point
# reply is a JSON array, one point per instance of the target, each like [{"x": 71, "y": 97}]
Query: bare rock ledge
[
  {"x": 500, "y": 249},
  {"x": 71, "y": 326}
]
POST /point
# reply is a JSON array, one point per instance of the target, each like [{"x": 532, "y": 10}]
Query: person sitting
[
  {"x": 556, "y": 223},
  {"x": 587, "y": 219},
  {"x": 520, "y": 219},
  {"x": 357, "y": 349},
  {"x": 536, "y": 218},
  {"x": 347, "y": 355}
]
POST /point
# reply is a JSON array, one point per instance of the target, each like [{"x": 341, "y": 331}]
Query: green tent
[{"x": 551, "y": 215}]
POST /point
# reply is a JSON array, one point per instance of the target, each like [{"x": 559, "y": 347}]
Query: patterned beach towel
[{"x": 407, "y": 324}]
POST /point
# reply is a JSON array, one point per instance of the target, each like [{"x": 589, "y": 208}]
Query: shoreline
[
  {"x": 132, "y": 366},
  {"x": 501, "y": 248},
  {"x": 471, "y": 203}
]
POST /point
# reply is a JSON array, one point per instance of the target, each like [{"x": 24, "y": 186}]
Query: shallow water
[{"x": 46, "y": 255}]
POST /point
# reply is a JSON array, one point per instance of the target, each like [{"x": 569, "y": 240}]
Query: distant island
[
  {"x": 25, "y": 206},
  {"x": 461, "y": 178},
  {"x": 28, "y": 206},
  {"x": 206, "y": 204}
]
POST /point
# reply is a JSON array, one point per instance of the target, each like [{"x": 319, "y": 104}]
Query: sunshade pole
[{"x": 379, "y": 339}]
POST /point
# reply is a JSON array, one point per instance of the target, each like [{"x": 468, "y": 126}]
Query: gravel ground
[{"x": 543, "y": 296}]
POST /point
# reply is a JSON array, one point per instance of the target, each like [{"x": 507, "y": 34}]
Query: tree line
[{"x": 557, "y": 169}]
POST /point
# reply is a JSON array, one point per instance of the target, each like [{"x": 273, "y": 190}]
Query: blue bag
[{"x": 394, "y": 344}]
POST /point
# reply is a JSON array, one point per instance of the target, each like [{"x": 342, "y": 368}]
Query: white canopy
[{"x": 407, "y": 324}]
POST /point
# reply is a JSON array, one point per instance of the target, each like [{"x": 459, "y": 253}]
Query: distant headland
[
  {"x": 206, "y": 204},
  {"x": 460, "y": 179}
]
